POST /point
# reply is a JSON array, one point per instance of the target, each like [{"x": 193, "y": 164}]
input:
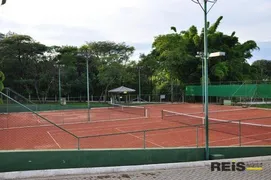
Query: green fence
[
  {"x": 237, "y": 93},
  {"x": 244, "y": 90},
  {"x": 8, "y": 106}
]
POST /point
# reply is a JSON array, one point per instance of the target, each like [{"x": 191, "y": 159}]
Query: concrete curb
[{"x": 118, "y": 169}]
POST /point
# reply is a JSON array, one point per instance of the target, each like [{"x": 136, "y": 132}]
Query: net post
[
  {"x": 146, "y": 113},
  {"x": 162, "y": 114},
  {"x": 88, "y": 114},
  {"x": 197, "y": 136},
  {"x": 63, "y": 118},
  {"x": 78, "y": 143},
  {"x": 109, "y": 115},
  {"x": 144, "y": 139},
  {"x": 240, "y": 134}
]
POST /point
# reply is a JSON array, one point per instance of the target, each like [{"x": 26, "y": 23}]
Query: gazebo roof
[{"x": 121, "y": 89}]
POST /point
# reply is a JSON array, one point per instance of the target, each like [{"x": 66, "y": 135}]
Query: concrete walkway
[{"x": 190, "y": 171}]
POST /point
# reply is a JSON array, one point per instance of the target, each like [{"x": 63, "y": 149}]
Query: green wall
[
  {"x": 36, "y": 160},
  {"x": 237, "y": 152},
  {"x": 27, "y": 160}
]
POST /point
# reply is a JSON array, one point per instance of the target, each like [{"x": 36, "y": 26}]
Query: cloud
[{"x": 135, "y": 22}]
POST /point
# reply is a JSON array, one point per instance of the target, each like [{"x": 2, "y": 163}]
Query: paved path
[{"x": 202, "y": 172}]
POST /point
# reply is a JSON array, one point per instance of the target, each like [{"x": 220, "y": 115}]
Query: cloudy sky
[{"x": 136, "y": 22}]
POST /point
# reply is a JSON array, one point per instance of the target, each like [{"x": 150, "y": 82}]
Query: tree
[
  {"x": 3, "y": 2},
  {"x": 110, "y": 58},
  {"x": 22, "y": 59},
  {"x": 263, "y": 69},
  {"x": 177, "y": 52},
  {"x": 2, "y": 78}
]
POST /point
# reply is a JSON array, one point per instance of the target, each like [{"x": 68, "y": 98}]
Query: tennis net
[
  {"x": 182, "y": 118},
  {"x": 136, "y": 110},
  {"x": 249, "y": 128}
]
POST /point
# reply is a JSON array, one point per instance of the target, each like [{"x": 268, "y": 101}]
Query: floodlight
[{"x": 217, "y": 54}]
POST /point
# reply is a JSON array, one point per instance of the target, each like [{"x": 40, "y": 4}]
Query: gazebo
[{"x": 118, "y": 92}]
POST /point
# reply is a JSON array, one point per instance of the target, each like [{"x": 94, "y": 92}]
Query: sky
[{"x": 135, "y": 22}]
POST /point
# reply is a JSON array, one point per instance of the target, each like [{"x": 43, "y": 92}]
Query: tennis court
[{"x": 151, "y": 126}]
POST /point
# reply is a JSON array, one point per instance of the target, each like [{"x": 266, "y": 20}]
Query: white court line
[
  {"x": 107, "y": 127},
  {"x": 226, "y": 139},
  {"x": 90, "y": 129},
  {"x": 256, "y": 141},
  {"x": 36, "y": 118},
  {"x": 54, "y": 139},
  {"x": 47, "y": 124},
  {"x": 173, "y": 129},
  {"x": 139, "y": 138},
  {"x": 158, "y": 133}
]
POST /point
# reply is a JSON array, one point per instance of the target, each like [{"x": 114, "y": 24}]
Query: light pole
[
  {"x": 59, "y": 80},
  {"x": 200, "y": 55},
  {"x": 87, "y": 56},
  {"x": 206, "y": 10},
  {"x": 139, "y": 84},
  {"x": 59, "y": 85},
  {"x": 87, "y": 60}
]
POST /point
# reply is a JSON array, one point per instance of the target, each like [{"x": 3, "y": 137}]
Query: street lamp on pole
[
  {"x": 59, "y": 80},
  {"x": 206, "y": 10},
  {"x": 200, "y": 55},
  {"x": 87, "y": 56},
  {"x": 139, "y": 84}
]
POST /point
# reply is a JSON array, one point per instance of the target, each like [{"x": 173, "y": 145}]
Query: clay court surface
[{"x": 26, "y": 131}]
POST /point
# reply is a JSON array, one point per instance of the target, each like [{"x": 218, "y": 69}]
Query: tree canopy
[{"x": 31, "y": 67}]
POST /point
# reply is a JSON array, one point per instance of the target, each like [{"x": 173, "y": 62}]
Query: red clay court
[{"x": 110, "y": 128}]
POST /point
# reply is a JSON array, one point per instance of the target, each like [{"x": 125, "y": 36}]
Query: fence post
[
  {"x": 197, "y": 136},
  {"x": 78, "y": 143},
  {"x": 7, "y": 92},
  {"x": 240, "y": 133},
  {"x": 144, "y": 139}
]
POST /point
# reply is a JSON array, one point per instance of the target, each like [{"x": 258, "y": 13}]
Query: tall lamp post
[
  {"x": 59, "y": 66},
  {"x": 206, "y": 11},
  {"x": 139, "y": 84},
  {"x": 87, "y": 56},
  {"x": 200, "y": 55}
]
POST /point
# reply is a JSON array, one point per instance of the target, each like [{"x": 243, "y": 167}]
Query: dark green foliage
[{"x": 31, "y": 68}]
